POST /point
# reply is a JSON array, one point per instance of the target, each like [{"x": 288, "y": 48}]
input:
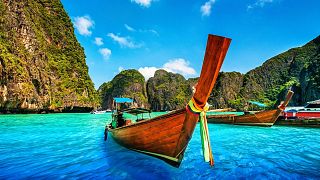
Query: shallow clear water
[{"x": 72, "y": 146}]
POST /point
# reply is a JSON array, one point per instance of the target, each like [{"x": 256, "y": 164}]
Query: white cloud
[
  {"x": 178, "y": 65},
  {"x": 124, "y": 41},
  {"x": 83, "y": 25},
  {"x": 206, "y": 8},
  {"x": 147, "y": 72},
  {"x": 120, "y": 69},
  {"x": 129, "y": 28},
  {"x": 259, "y": 3},
  {"x": 143, "y": 3},
  {"x": 154, "y": 32},
  {"x": 105, "y": 52},
  {"x": 98, "y": 41},
  {"x": 149, "y": 31}
]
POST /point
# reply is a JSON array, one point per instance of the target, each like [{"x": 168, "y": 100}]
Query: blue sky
[{"x": 152, "y": 34}]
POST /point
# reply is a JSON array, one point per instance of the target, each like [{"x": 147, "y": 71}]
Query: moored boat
[
  {"x": 98, "y": 112},
  {"x": 167, "y": 136},
  {"x": 308, "y": 116},
  {"x": 261, "y": 118},
  {"x": 310, "y": 111}
]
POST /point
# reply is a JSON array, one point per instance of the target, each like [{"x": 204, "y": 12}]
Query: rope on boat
[{"x": 205, "y": 139}]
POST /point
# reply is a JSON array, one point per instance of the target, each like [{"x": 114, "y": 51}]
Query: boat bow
[{"x": 167, "y": 136}]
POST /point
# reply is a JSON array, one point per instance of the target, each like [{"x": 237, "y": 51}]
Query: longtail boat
[
  {"x": 262, "y": 118},
  {"x": 167, "y": 136}
]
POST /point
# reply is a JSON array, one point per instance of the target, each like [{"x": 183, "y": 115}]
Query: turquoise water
[{"x": 59, "y": 146}]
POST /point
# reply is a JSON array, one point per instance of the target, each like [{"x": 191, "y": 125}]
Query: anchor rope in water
[{"x": 205, "y": 138}]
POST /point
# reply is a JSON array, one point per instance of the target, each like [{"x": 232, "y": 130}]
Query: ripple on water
[{"x": 72, "y": 146}]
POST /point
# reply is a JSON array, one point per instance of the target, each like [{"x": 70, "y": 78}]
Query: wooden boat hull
[
  {"x": 263, "y": 118},
  {"x": 165, "y": 137}
]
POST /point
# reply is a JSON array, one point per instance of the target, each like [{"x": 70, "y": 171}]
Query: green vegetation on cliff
[
  {"x": 168, "y": 91},
  {"x": 128, "y": 83},
  {"x": 42, "y": 65},
  {"x": 226, "y": 90},
  {"x": 164, "y": 91},
  {"x": 298, "y": 68}
]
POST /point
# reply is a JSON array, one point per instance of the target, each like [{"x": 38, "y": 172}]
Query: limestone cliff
[
  {"x": 42, "y": 65},
  {"x": 226, "y": 89},
  {"x": 298, "y": 68},
  {"x": 128, "y": 83},
  {"x": 168, "y": 91}
]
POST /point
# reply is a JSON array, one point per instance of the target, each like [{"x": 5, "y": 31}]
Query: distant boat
[
  {"x": 167, "y": 136},
  {"x": 98, "y": 112},
  {"x": 261, "y": 118},
  {"x": 308, "y": 115},
  {"x": 310, "y": 111}
]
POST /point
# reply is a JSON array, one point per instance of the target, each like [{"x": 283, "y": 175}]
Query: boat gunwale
[
  {"x": 236, "y": 116},
  {"x": 180, "y": 111}
]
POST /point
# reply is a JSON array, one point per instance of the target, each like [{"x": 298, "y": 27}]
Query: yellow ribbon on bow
[{"x": 205, "y": 139}]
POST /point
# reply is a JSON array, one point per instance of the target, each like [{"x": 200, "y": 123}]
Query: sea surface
[{"x": 71, "y": 146}]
